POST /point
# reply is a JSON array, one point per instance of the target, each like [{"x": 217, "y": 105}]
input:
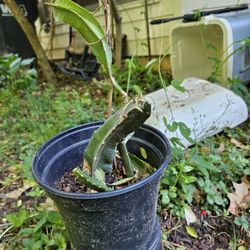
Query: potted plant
[{"x": 117, "y": 208}]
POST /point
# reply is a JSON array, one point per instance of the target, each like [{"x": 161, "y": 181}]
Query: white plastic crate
[
  {"x": 205, "y": 108},
  {"x": 194, "y": 44}
]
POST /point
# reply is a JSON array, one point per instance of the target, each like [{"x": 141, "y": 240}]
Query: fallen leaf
[
  {"x": 197, "y": 195},
  {"x": 191, "y": 231},
  {"x": 48, "y": 204},
  {"x": 205, "y": 150},
  {"x": 246, "y": 181},
  {"x": 17, "y": 193},
  {"x": 240, "y": 197},
  {"x": 239, "y": 144},
  {"x": 143, "y": 153},
  {"x": 221, "y": 148},
  {"x": 189, "y": 215},
  {"x": 242, "y": 248},
  {"x": 122, "y": 181}
]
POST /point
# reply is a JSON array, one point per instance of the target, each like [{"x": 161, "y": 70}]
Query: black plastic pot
[
  {"x": 123, "y": 219},
  {"x": 14, "y": 39}
]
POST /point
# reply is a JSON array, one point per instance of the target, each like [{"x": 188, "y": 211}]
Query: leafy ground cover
[
  {"x": 208, "y": 187},
  {"x": 204, "y": 195}
]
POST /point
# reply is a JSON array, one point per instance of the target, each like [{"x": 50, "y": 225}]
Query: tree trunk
[{"x": 33, "y": 39}]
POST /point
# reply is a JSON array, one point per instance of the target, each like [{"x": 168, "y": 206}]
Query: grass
[
  {"x": 198, "y": 178},
  {"x": 31, "y": 113}
]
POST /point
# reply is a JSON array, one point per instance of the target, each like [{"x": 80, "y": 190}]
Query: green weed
[
  {"x": 203, "y": 176},
  {"x": 30, "y": 115},
  {"x": 137, "y": 78}
]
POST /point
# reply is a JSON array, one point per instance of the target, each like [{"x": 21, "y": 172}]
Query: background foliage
[{"x": 199, "y": 178}]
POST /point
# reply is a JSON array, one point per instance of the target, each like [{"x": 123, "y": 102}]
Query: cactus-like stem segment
[
  {"x": 102, "y": 147},
  {"x": 125, "y": 159},
  {"x": 90, "y": 181},
  {"x": 122, "y": 181},
  {"x": 140, "y": 165}
]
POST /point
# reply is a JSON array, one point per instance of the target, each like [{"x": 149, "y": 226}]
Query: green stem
[
  {"x": 179, "y": 175},
  {"x": 110, "y": 98},
  {"x": 125, "y": 159},
  {"x": 90, "y": 181}
]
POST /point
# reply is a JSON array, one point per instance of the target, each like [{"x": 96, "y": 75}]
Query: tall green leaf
[
  {"x": 90, "y": 29},
  {"x": 87, "y": 25}
]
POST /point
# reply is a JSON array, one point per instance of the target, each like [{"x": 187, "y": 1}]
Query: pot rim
[{"x": 90, "y": 196}]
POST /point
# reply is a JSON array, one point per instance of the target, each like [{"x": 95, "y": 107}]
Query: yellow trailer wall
[{"x": 133, "y": 26}]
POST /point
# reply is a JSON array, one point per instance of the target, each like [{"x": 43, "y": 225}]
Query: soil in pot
[{"x": 69, "y": 182}]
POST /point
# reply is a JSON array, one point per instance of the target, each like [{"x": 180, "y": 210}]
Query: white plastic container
[
  {"x": 195, "y": 46},
  {"x": 204, "y": 107}
]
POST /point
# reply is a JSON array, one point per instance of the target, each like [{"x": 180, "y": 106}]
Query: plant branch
[{"x": 106, "y": 8}]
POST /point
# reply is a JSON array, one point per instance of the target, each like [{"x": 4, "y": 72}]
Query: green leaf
[
  {"x": 137, "y": 89},
  {"x": 31, "y": 244},
  {"x": 191, "y": 231},
  {"x": 188, "y": 190},
  {"x": 210, "y": 199},
  {"x": 242, "y": 221},
  {"x": 187, "y": 179},
  {"x": 87, "y": 25},
  {"x": 53, "y": 217},
  {"x": 201, "y": 182},
  {"x": 177, "y": 85},
  {"x": 165, "y": 121},
  {"x": 185, "y": 131},
  {"x": 237, "y": 221},
  {"x": 187, "y": 169},
  {"x": 211, "y": 46},
  {"x": 177, "y": 153},
  {"x": 59, "y": 240},
  {"x": 25, "y": 232},
  {"x": 15, "y": 63},
  {"x": 91, "y": 31},
  {"x": 246, "y": 171},
  {"x": 122, "y": 181},
  {"x": 17, "y": 219},
  {"x": 176, "y": 141},
  {"x": 164, "y": 197},
  {"x": 39, "y": 224},
  {"x": 45, "y": 239},
  {"x": 242, "y": 248},
  {"x": 143, "y": 153},
  {"x": 172, "y": 194},
  {"x": 27, "y": 61},
  {"x": 150, "y": 63},
  {"x": 203, "y": 165},
  {"x": 130, "y": 63},
  {"x": 218, "y": 199},
  {"x": 172, "y": 127}
]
